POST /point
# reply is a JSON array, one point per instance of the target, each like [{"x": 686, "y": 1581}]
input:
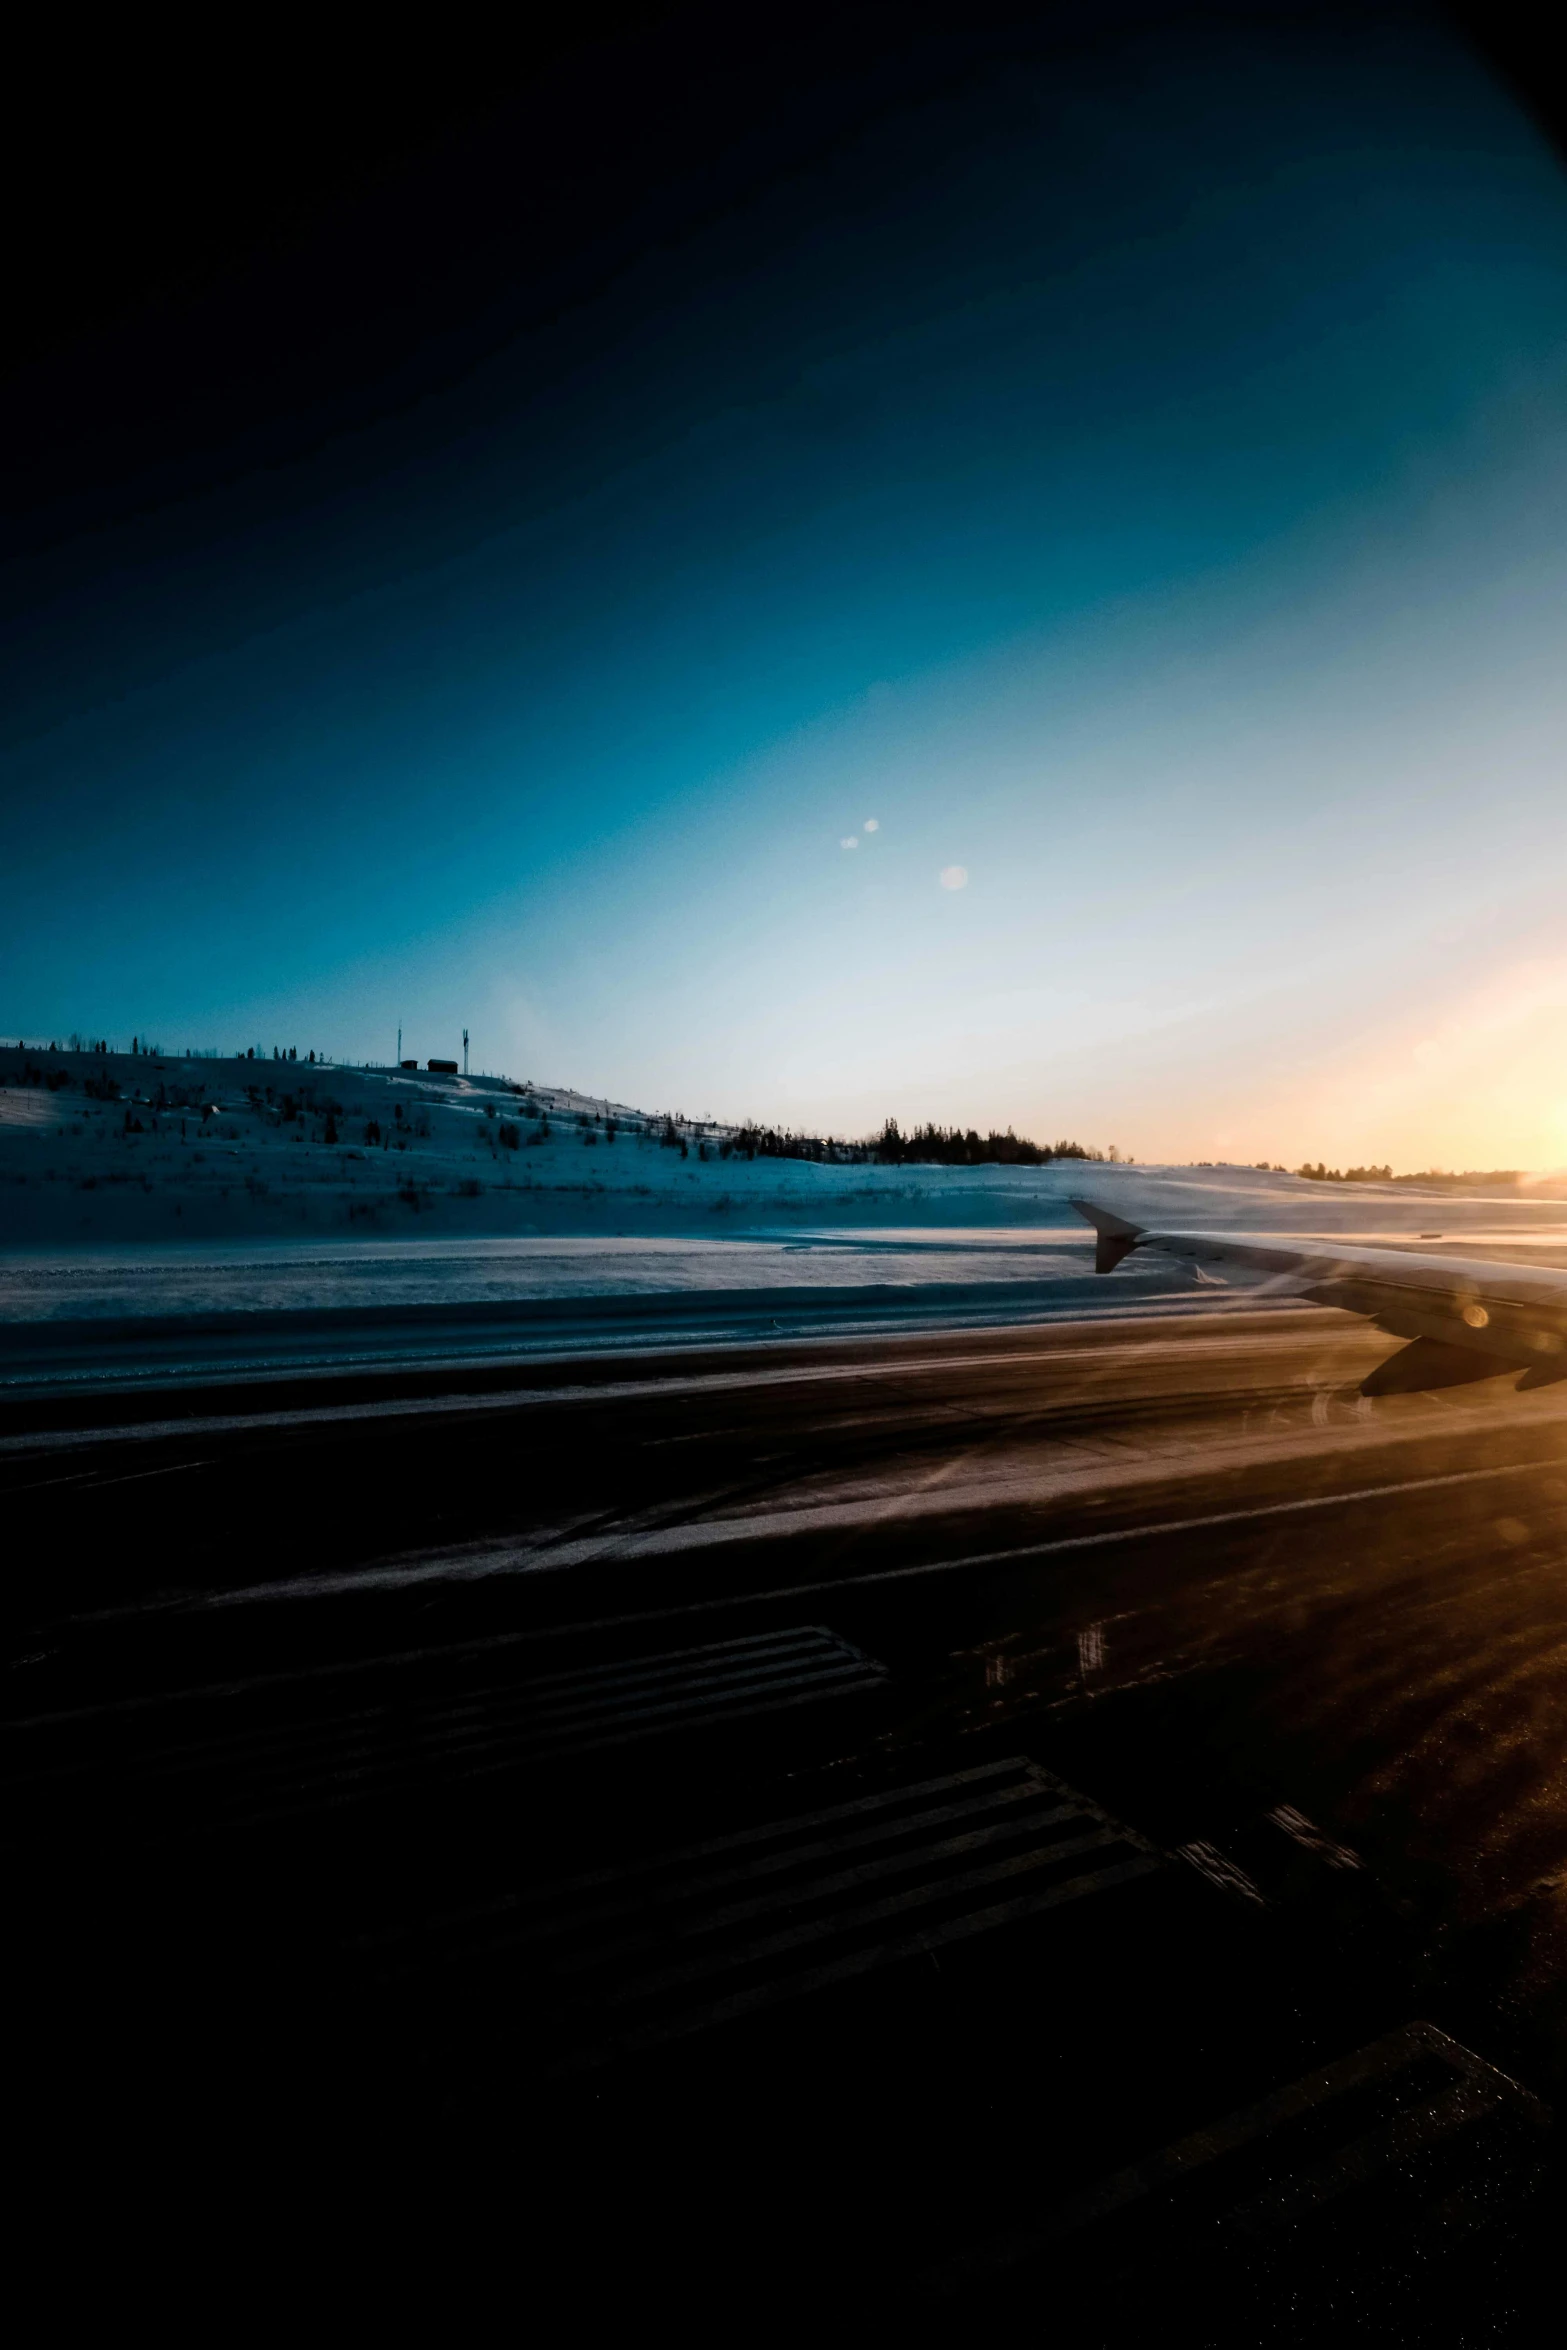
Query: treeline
[
  {"x": 957, "y": 1146},
  {"x": 773, "y": 1142},
  {"x": 142, "y": 1050},
  {"x": 1468, "y": 1175},
  {"x": 1321, "y": 1174},
  {"x": 924, "y": 1146}
]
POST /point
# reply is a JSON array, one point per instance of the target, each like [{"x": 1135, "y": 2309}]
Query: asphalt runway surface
[{"x": 306, "y": 1679}]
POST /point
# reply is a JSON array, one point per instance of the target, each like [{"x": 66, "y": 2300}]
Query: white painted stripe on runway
[
  {"x": 1220, "y": 1870},
  {"x": 713, "y": 1382},
  {"x": 1167, "y": 1526},
  {"x": 85, "y": 1476},
  {"x": 448, "y": 1570},
  {"x": 567, "y": 1551}
]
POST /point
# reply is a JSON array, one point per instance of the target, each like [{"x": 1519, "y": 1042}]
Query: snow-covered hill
[
  {"x": 120, "y": 1145},
  {"x": 107, "y": 1148},
  {"x": 104, "y": 1149}
]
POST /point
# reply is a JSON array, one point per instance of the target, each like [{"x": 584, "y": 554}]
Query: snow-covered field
[{"x": 197, "y": 1187}]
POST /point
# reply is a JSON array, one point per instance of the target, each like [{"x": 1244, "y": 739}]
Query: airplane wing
[{"x": 1465, "y": 1318}]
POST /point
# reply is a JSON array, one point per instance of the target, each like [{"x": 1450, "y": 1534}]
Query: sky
[{"x": 1038, "y": 603}]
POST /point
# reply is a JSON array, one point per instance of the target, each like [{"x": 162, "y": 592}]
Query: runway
[
  {"x": 1179, "y": 1560},
  {"x": 1218, "y": 1499}
]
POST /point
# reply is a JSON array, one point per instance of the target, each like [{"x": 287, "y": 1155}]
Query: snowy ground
[{"x": 251, "y": 1187}]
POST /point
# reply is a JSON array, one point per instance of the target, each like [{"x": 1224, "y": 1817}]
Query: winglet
[{"x": 1117, "y": 1238}]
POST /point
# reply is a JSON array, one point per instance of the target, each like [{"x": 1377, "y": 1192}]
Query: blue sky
[{"x": 1142, "y": 489}]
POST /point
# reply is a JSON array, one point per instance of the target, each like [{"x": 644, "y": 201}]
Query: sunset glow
[{"x": 1176, "y": 570}]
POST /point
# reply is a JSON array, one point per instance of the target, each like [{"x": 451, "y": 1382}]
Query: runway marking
[
  {"x": 490, "y": 1725},
  {"x": 84, "y": 1476},
  {"x": 1220, "y": 1870},
  {"x": 1342, "y": 2157},
  {"x": 705, "y": 1383},
  {"x": 671, "y": 1945},
  {"x": 657, "y": 1542},
  {"x": 447, "y": 1570},
  {"x": 833, "y": 1583},
  {"x": 1306, "y": 1833}
]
